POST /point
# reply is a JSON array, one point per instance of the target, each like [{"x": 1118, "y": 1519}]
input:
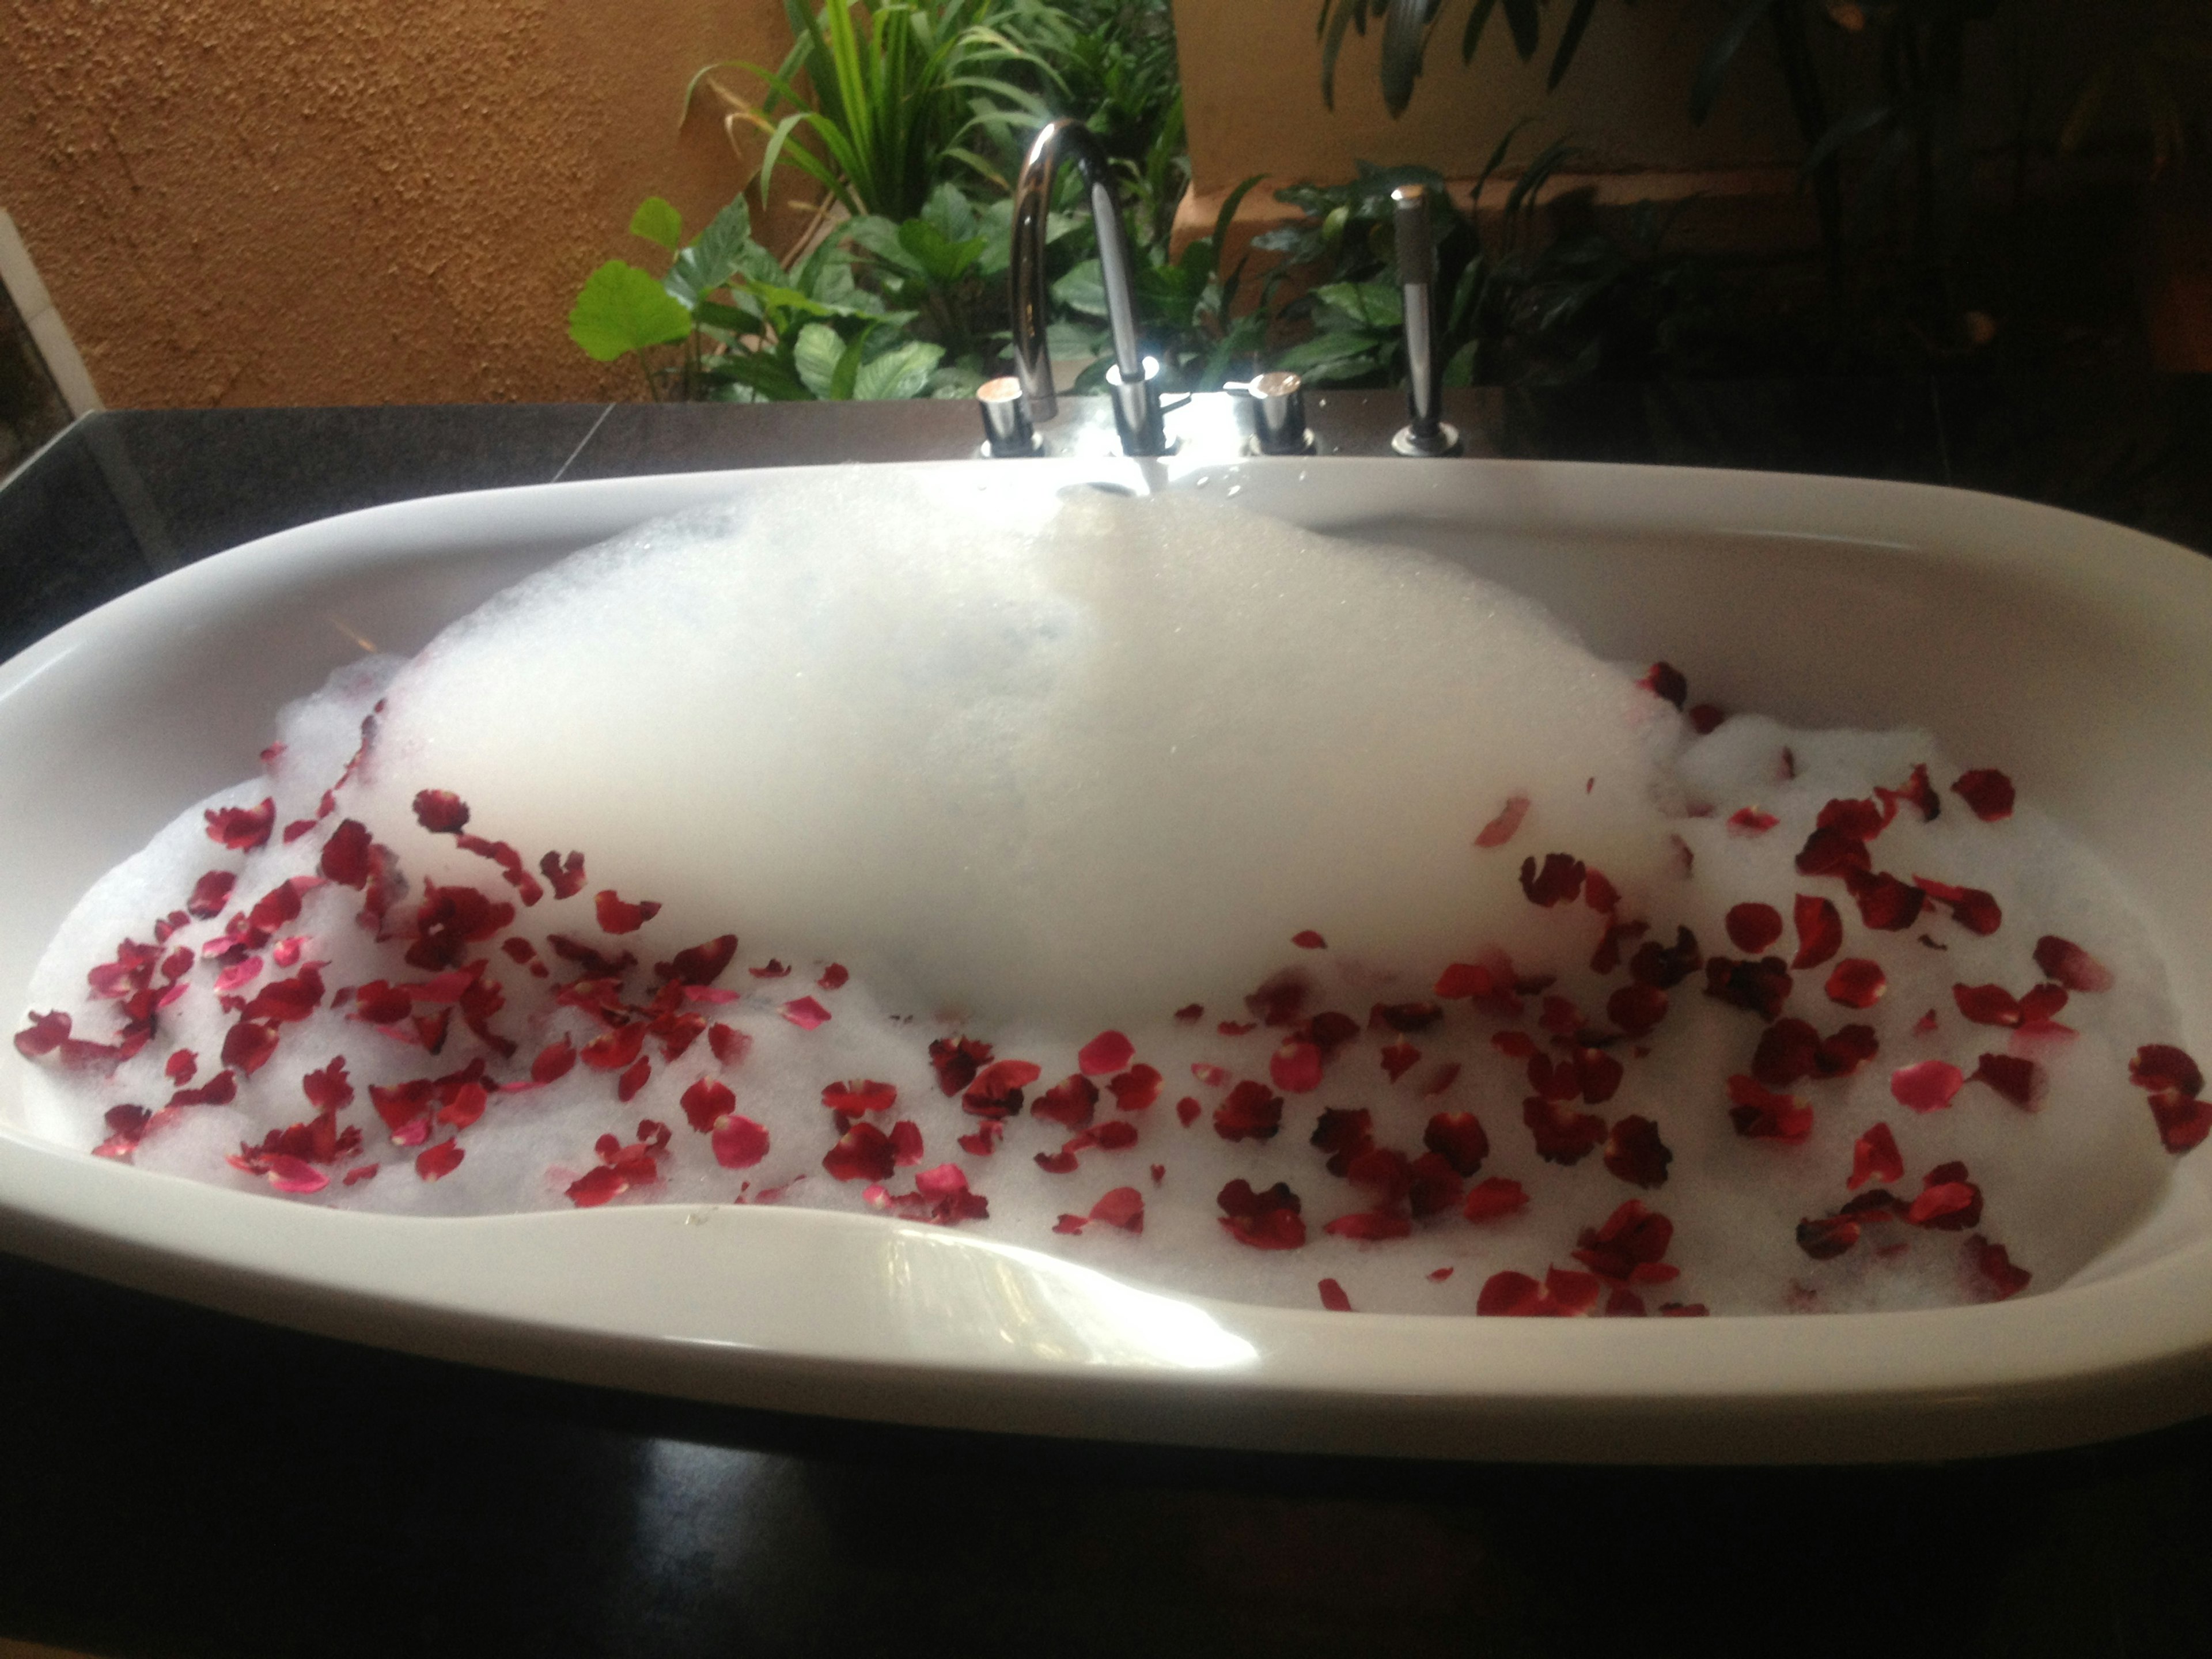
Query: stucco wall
[
  {"x": 238, "y": 202},
  {"x": 1251, "y": 77}
]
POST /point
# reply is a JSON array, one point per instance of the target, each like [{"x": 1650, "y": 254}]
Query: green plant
[
  {"x": 894, "y": 92},
  {"x": 1521, "y": 307},
  {"x": 730, "y": 322}
]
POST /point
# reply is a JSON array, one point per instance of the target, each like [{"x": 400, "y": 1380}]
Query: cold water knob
[
  {"x": 1278, "y": 412},
  {"x": 1007, "y": 429}
]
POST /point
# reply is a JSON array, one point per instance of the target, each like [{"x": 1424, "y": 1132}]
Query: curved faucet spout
[{"x": 1134, "y": 381}]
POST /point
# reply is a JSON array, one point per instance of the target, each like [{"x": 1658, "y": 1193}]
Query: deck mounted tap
[
  {"x": 1425, "y": 432},
  {"x": 1133, "y": 381}
]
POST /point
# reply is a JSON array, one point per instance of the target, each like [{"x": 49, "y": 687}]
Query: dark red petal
[
  {"x": 1874, "y": 1156},
  {"x": 2070, "y": 965},
  {"x": 1070, "y": 1102},
  {"x": 1308, "y": 941},
  {"x": 1861, "y": 820},
  {"x": 997, "y": 1089},
  {"x": 241, "y": 828},
  {"x": 1333, "y": 1297},
  {"x": 1858, "y": 984},
  {"x": 1399, "y": 1058},
  {"x": 1759, "y": 987},
  {"x": 1634, "y": 1152},
  {"x": 345, "y": 854},
  {"x": 441, "y": 812},
  {"x": 1988, "y": 792},
  {"x": 2182, "y": 1122},
  {"x": 1501, "y": 829},
  {"x": 1459, "y": 1139},
  {"x": 1750, "y": 820},
  {"x": 1561, "y": 1136},
  {"x": 616, "y": 915},
  {"x": 1512, "y": 1295},
  {"x": 1558, "y": 882},
  {"x": 1250, "y": 1112},
  {"x": 1826, "y": 1237},
  {"x": 1636, "y": 1008},
  {"x": 1760, "y": 1114},
  {"x": 955, "y": 1061},
  {"x": 1754, "y": 926},
  {"x": 1706, "y": 718},
  {"x": 864, "y": 1152},
  {"x": 1788, "y": 1050},
  {"x": 1987, "y": 1004},
  {"x": 1995, "y": 1268},
  {"x": 1187, "y": 1110},
  {"x": 1831, "y": 851},
  {"x": 1665, "y": 681},
  {"x": 1123, "y": 1207},
  {"x": 1265, "y": 1221},
  {"x": 2020, "y": 1081},
  {"x": 247, "y": 1047}
]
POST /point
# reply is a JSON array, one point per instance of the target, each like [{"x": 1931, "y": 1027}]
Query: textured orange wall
[{"x": 240, "y": 202}]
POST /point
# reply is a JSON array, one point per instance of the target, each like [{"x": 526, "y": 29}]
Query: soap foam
[{"x": 1077, "y": 764}]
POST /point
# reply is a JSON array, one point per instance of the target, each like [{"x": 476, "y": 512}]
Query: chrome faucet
[{"x": 1134, "y": 381}]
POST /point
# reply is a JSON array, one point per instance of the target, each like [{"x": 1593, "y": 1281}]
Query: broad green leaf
[
  {"x": 849, "y": 365},
  {"x": 1371, "y": 305},
  {"x": 659, "y": 223},
  {"x": 950, "y": 214},
  {"x": 1310, "y": 357},
  {"x": 1070, "y": 341},
  {"x": 955, "y": 381},
  {"x": 945, "y": 262},
  {"x": 714, "y": 256},
  {"x": 880, "y": 237},
  {"x": 622, "y": 309},
  {"x": 902, "y": 372},
  {"x": 712, "y": 313},
  {"x": 816, "y": 358},
  {"x": 757, "y": 265},
  {"x": 1083, "y": 289}
]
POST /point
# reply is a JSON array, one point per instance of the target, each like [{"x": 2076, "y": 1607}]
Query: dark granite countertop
[{"x": 174, "y": 1482}]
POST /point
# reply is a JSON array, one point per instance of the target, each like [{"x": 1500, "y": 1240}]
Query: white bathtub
[{"x": 2071, "y": 654}]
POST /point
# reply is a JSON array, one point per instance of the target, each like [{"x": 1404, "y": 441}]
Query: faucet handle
[
  {"x": 1278, "y": 412},
  {"x": 1007, "y": 429},
  {"x": 1425, "y": 434}
]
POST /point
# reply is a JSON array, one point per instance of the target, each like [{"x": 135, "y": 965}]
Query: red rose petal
[
  {"x": 1927, "y": 1087},
  {"x": 1489, "y": 1200},
  {"x": 1858, "y": 984},
  {"x": 1559, "y": 881},
  {"x": 738, "y": 1142},
  {"x": 1309, "y": 940},
  {"x": 1501, "y": 829},
  {"x": 858, "y": 1096},
  {"x": 1296, "y": 1068},
  {"x": 434, "y": 1163},
  {"x": 1760, "y": 1114},
  {"x": 2020, "y": 1081},
  {"x": 1667, "y": 682},
  {"x": 1265, "y": 1220},
  {"x": 997, "y": 1091},
  {"x": 1187, "y": 1110},
  {"x": 241, "y": 828},
  {"x": 1333, "y": 1297},
  {"x": 1070, "y": 1102},
  {"x": 1634, "y": 1152},
  {"x": 729, "y": 1044},
  {"x": 1135, "y": 1089},
  {"x": 1250, "y": 1112},
  {"x": 1398, "y": 1058},
  {"x": 1995, "y": 1265},
  {"x": 1988, "y": 792},
  {"x": 1109, "y": 1051},
  {"x": 705, "y": 1102},
  {"x": 1874, "y": 1156},
  {"x": 1458, "y": 1138},
  {"x": 1754, "y": 926},
  {"x": 616, "y": 915},
  {"x": 1750, "y": 820},
  {"x": 804, "y": 1013},
  {"x": 2069, "y": 965}
]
